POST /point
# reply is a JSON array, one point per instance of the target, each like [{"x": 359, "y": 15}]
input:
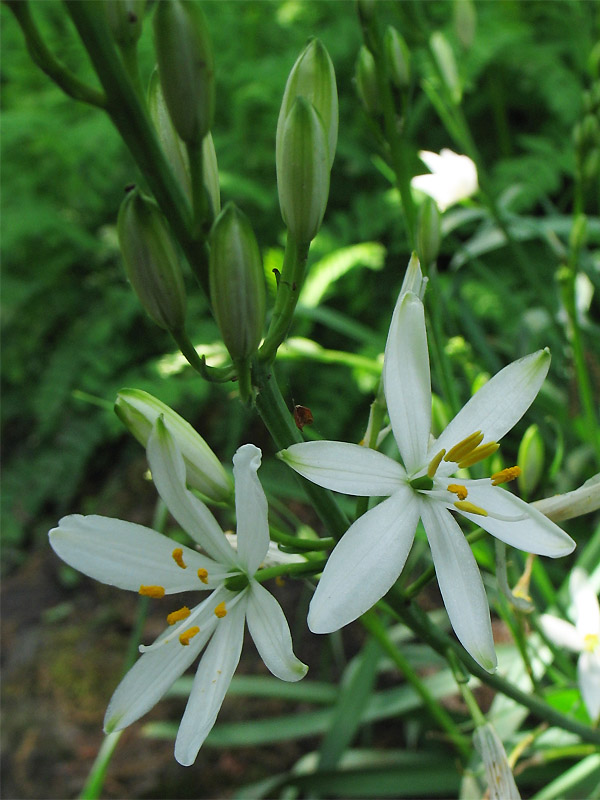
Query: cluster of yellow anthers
[
  {"x": 466, "y": 453},
  {"x": 184, "y": 612}
]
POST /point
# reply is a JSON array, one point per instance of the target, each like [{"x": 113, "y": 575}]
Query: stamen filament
[
  {"x": 478, "y": 454},
  {"x": 470, "y": 508},
  {"x": 152, "y": 591},
  {"x": 220, "y": 610},
  {"x": 185, "y": 637},
  {"x": 177, "y": 616},
  {"x": 459, "y": 490},
  {"x": 505, "y": 475},
  {"x": 462, "y": 449},
  {"x": 177, "y": 555},
  {"x": 203, "y": 575},
  {"x": 434, "y": 463}
]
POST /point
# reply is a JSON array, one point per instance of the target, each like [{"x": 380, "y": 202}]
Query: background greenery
[{"x": 74, "y": 333}]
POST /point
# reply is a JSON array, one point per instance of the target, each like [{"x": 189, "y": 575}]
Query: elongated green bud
[
  {"x": 444, "y": 56},
  {"x": 185, "y": 64},
  {"x": 303, "y": 171},
  {"x": 312, "y": 77},
  {"x": 175, "y": 150},
  {"x": 138, "y": 411},
  {"x": 465, "y": 21},
  {"x": 429, "y": 232},
  {"x": 237, "y": 284},
  {"x": 366, "y": 81},
  {"x": 531, "y": 461},
  {"x": 398, "y": 57},
  {"x": 151, "y": 260},
  {"x": 125, "y": 19}
]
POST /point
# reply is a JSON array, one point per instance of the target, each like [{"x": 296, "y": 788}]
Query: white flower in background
[
  {"x": 371, "y": 555},
  {"x": 453, "y": 177},
  {"x": 501, "y": 782},
  {"x": 133, "y": 557},
  {"x": 583, "y": 638}
]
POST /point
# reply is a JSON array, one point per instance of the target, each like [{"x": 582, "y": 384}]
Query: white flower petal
[
  {"x": 365, "y": 563},
  {"x": 149, "y": 678},
  {"x": 588, "y": 676},
  {"x": 407, "y": 382},
  {"x": 433, "y": 161},
  {"x": 561, "y": 632},
  {"x": 585, "y": 602},
  {"x": 440, "y": 189},
  {"x": 499, "y": 404},
  {"x": 168, "y": 474},
  {"x": 534, "y": 533},
  {"x": 251, "y": 508},
  {"x": 345, "y": 468},
  {"x": 212, "y": 680},
  {"x": 127, "y": 555},
  {"x": 269, "y": 629},
  {"x": 460, "y": 583},
  {"x": 499, "y": 776}
]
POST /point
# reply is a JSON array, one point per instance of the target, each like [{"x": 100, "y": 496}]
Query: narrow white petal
[
  {"x": 500, "y": 403},
  {"x": 460, "y": 583},
  {"x": 365, "y": 563},
  {"x": 533, "y": 533},
  {"x": 345, "y": 468},
  {"x": 561, "y": 632},
  {"x": 250, "y": 507},
  {"x": 499, "y": 776},
  {"x": 212, "y": 680},
  {"x": 432, "y": 161},
  {"x": 588, "y": 676},
  {"x": 437, "y": 187},
  {"x": 149, "y": 678},
  {"x": 585, "y": 602},
  {"x": 127, "y": 555},
  {"x": 168, "y": 474},
  {"x": 407, "y": 382},
  {"x": 269, "y": 629}
]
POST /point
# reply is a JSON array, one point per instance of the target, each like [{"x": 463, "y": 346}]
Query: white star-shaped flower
[
  {"x": 371, "y": 555},
  {"x": 583, "y": 638},
  {"x": 453, "y": 177},
  {"x": 133, "y": 557}
]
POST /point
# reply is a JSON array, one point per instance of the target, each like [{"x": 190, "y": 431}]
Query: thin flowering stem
[{"x": 314, "y": 566}]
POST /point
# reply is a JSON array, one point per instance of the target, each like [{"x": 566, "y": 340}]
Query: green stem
[
  {"x": 42, "y": 56},
  {"x": 290, "y": 570},
  {"x": 280, "y": 424},
  {"x": 417, "y": 621},
  {"x": 129, "y": 115},
  {"x": 376, "y": 628},
  {"x": 376, "y": 418},
  {"x": 95, "y": 780},
  {"x": 297, "y": 543},
  {"x": 211, "y": 374},
  {"x": 288, "y": 290}
]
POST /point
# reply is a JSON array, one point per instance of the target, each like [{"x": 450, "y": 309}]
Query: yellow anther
[
  {"x": 185, "y": 637},
  {"x": 280, "y": 580},
  {"x": 462, "y": 449},
  {"x": 177, "y": 616},
  {"x": 591, "y": 642},
  {"x": 203, "y": 575},
  {"x": 178, "y": 557},
  {"x": 220, "y": 610},
  {"x": 505, "y": 475},
  {"x": 478, "y": 454},
  {"x": 458, "y": 490},
  {"x": 434, "y": 464},
  {"x": 152, "y": 591},
  {"x": 470, "y": 508}
]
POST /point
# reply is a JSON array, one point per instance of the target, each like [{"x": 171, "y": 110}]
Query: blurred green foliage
[{"x": 74, "y": 333}]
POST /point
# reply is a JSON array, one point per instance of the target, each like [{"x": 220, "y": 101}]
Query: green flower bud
[
  {"x": 237, "y": 284},
  {"x": 465, "y": 21},
  {"x": 176, "y": 152},
  {"x": 429, "y": 232},
  {"x": 138, "y": 411},
  {"x": 125, "y": 19},
  {"x": 578, "y": 235},
  {"x": 151, "y": 260},
  {"x": 591, "y": 165},
  {"x": 312, "y": 77},
  {"x": 366, "y": 81},
  {"x": 398, "y": 57},
  {"x": 530, "y": 459},
  {"x": 446, "y": 62},
  {"x": 185, "y": 64},
  {"x": 303, "y": 171}
]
